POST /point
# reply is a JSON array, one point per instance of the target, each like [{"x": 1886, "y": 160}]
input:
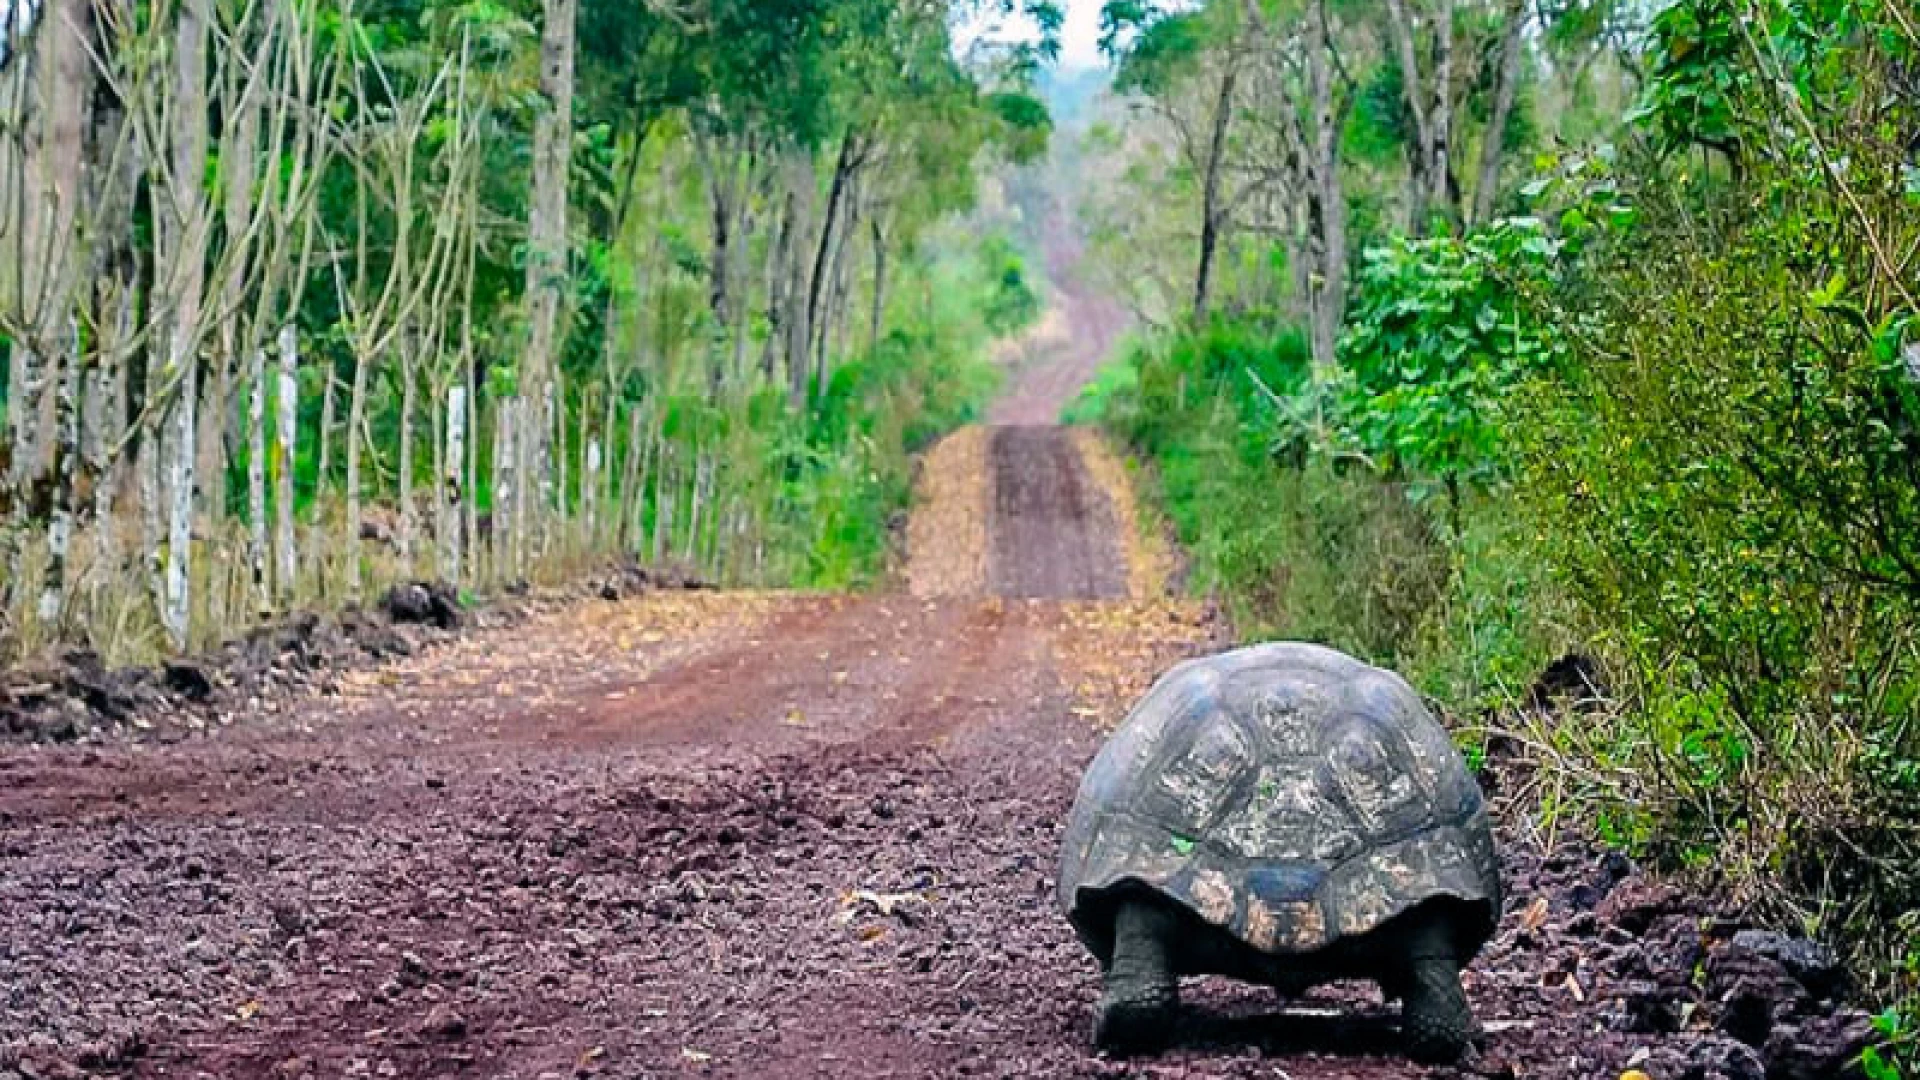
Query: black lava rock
[{"x": 1814, "y": 965}]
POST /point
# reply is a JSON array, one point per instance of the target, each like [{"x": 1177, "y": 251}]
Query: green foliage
[
  {"x": 1312, "y": 552},
  {"x": 1166, "y": 50},
  {"x": 845, "y": 466},
  {"x": 1099, "y": 398},
  {"x": 1437, "y": 340},
  {"x": 1011, "y": 302},
  {"x": 1698, "y": 73},
  {"x": 1025, "y": 123},
  {"x": 1675, "y": 412},
  {"x": 1896, "y": 1054}
]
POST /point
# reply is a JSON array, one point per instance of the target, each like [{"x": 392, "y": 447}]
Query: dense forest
[
  {"x": 1492, "y": 338},
  {"x": 304, "y": 298}
]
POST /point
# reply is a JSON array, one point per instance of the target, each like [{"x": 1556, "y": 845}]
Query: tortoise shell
[{"x": 1288, "y": 794}]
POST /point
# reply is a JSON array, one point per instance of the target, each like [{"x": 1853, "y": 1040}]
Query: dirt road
[
  {"x": 739, "y": 835},
  {"x": 728, "y": 835}
]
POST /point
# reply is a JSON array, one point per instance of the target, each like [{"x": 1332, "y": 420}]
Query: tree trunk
[
  {"x": 48, "y": 230},
  {"x": 526, "y": 432},
  {"x": 103, "y": 421},
  {"x": 778, "y": 255},
  {"x": 186, "y": 266},
  {"x": 556, "y": 424},
  {"x": 609, "y": 495},
  {"x": 66, "y": 454},
  {"x": 1445, "y": 185},
  {"x": 590, "y": 493},
  {"x": 504, "y": 459},
  {"x": 287, "y": 433},
  {"x": 1430, "y": 177},
  {"x": 408, "y": 382},
  {"x": 546, "y": 272},
  {"x": 630, "y": 480},
  {"x": 743, "y": 289},
  {"x": 719, "y": 273},
  {"x": 356, "y": 432},
  {"x": 153, "y": 532},
  {"x": 1486, "y": 188},
  {"x": 456, "y": 454},
  {"x": 843, "y": 170},
  {"x": 470, "y": 465},
  {"x": 693, "y": 510},
  {"x": 879, "y": 312},
  {"x": 663, "y": 499},
  {"x": 257, "y": 479},
  {"x": 797, "y": 332},
  {"x": 1327, "y": 201},
  {"x": 1211, "y": 213},
  {"x": 238, "y": 150},
  {"x": 833, "y": 318},
  {"x": 324, "y": 473}
]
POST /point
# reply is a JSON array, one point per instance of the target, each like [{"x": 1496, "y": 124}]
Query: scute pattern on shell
[{"x": 1286, "y": 793}]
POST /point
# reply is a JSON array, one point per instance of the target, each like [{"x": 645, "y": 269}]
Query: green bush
[
  {"x": 1097, "y": 399},
  {"x": 1438, "y": 338},
  {"x": 1732, "y": 494},
  {"x": 1303, "y": 550}
]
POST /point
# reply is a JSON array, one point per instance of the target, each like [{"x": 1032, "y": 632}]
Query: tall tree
[
  {"x": 185, "y": 264},
  {"x": 547, "y": 249},
  {"x": 1416, "y": 27}
]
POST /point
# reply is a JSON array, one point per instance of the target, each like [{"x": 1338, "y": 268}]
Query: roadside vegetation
[
  {"x": 301, "y": 299},
  {"x": 1569, "y": 339}
]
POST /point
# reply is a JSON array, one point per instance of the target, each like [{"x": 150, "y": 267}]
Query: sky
[{"x": 1079, "y": 38}]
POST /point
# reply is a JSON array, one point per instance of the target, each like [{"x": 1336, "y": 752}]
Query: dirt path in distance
[{"x": 1048, "y": 366}]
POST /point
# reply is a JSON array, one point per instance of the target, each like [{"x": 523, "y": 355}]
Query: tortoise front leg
[
  {"x": 1434, "y": 1013},
  {"x": 1142, "y": 994}
]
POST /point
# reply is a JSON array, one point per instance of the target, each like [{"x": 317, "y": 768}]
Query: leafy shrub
[
  {"x": 1729, "y": 481},
  {"x": 1438, "y": 338},
  {"x": 1303, "y": 550},
  {"x": 1097, "y": 399},
  {"x": 1011, "y": 304}
]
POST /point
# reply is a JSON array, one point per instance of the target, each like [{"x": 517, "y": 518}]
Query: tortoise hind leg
[
  {"x": 1142, "y": 993},
  {"x": 1434, "y": 1013}
]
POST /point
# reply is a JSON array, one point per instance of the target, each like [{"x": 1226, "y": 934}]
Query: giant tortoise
[{"x": 1282, "y": 814}]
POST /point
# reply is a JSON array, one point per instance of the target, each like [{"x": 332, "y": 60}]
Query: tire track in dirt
[{"x": 1052, "y": 531}]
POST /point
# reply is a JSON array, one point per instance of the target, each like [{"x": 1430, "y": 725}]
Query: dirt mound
[
  {"x": 430, "y": 603},
  {"x": 76, "y": 698}
]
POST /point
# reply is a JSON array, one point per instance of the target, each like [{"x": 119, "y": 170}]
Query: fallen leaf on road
[
  {"x": 886, "y": 904},
  {"x": 1536, "y": 914}
]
